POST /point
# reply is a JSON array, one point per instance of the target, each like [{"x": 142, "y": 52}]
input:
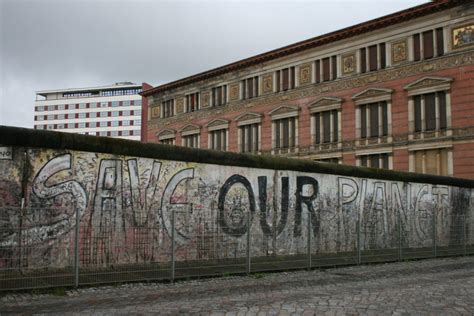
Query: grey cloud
[{"x": 53, "y": 44}]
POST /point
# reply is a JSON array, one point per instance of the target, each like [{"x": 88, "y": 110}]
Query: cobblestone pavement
[{"x": 430, "y": 287}]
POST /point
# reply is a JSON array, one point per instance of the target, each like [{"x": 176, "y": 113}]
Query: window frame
[
  {"x": 420, "y": 88},
  {"x": 278, "y": 114},
  {"x": 249, "y": 119},
  {"x": 214, "y": 127}
]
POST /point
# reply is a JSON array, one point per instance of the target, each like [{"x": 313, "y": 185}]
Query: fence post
[
  {"x": 400, "y": 242},
  {"x": 173, "y": 259},
  {"x": 248, "y": 244},
  {"x": 309, "y": 241},
  {"x": 358, "y": 241},
  {"x": 463, "y": 234},
  {"x": 435, "y": 251},
  {"x": 76, "y": 249}
]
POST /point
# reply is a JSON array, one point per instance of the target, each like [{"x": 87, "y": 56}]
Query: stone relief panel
[
  {"x": 267, "y": 83},
  {"x": 305, "y": 74},
  {"x": 155, "y": 112},
  {"x": 206, "y": 99},
  {"x": 179, "y": 104},
  {"x": 234, "y": 92},
  {"x": 348, "y": 64},
  {"x": 399, "y": 51}
]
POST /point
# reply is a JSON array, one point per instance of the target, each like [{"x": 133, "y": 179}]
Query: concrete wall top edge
[{"x": 24, "y": 137}]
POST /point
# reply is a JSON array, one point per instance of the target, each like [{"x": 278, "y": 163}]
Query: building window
[
  {"x": 249, "y": 136},
  {"x": 325, "y": 69},
  {"x": 218, "y": 139},
  {"x": 137, "y": 102},
  {"x": 250, "y": 88},
  {"x": 285, "y": 133},
  {"x": 93, "y": 105},
  {"x": 192, "y": 102},
  {"x": 137, "y": 122},
  {"x": 217, "y": 131},
  {"x": 168, "y": 141},
  {"x": 82, "y": 115},
  {"x": 126, "y": 123},
  {"x": 103, "y": 114},
  {"x": 432, "y": 161},
  {"x": 93, "y": 114},
  {"x": 430, "y": 111},
  {"x": 82, "y": 125},
  {"x": 103, "y": 124},
  {"x": 190, "y": 136},
  {"x": 373, "y": 116},
  {"x": 373, "y": 58},
  {"x": 428, "y": 44},
  {"x": 167, "y": 108},
  {"x": 373, "y": 119},
  {"x": 219, "y": 95},
  {"x": 326, "y": 127},
  {"x": 375, "y": 161},
  {"x": 191, "y": 141},
  {"x": 429, "y": 107},
  {"x": 115, "y": 104},
  {"x": 285, "y": 79},
  {"x": 115, "y": 123},
  {"x": 249, "y": 132},
  {"x": 284, "y": 129}
]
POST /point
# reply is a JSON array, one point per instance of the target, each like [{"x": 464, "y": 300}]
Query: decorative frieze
[{"x": 400, "y": 72}]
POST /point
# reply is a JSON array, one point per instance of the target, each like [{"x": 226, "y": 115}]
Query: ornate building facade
[{"x": 396, "y": 92}]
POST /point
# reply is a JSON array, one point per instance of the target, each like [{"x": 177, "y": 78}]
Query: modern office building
[
  {"x": 395, "y": 92},
  {"x": 113, "y": 110}
]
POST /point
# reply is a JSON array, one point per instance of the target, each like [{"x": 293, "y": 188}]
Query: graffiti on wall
[{"x": 126, "y": 208}]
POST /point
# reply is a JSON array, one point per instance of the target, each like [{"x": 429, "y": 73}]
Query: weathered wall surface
[{"x": 125, "y": 203}]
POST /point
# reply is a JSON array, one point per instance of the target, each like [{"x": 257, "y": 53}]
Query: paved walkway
[{"x": 430, "y": 287}]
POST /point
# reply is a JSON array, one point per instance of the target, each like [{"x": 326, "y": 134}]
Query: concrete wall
[{"x": 125, "y": 193}]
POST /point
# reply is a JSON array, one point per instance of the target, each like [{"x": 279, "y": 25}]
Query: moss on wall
[{"x": 23, "y": 137}]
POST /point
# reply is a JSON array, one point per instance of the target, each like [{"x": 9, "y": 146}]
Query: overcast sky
[{"x": 54, "y": 44}]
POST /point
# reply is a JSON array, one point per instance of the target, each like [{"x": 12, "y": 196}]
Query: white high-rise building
[{"x": 102, "y": 111}]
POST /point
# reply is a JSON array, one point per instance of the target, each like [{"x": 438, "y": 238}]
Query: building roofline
[
  {"x": 351, "y": 31},
  {"x": 114, "y": 86}
]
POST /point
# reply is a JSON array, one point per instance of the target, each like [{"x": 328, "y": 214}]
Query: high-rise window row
[{"x": 90, "y": 105}]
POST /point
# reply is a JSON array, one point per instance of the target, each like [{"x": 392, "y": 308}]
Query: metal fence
[{"x": 38, "y": 251}]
